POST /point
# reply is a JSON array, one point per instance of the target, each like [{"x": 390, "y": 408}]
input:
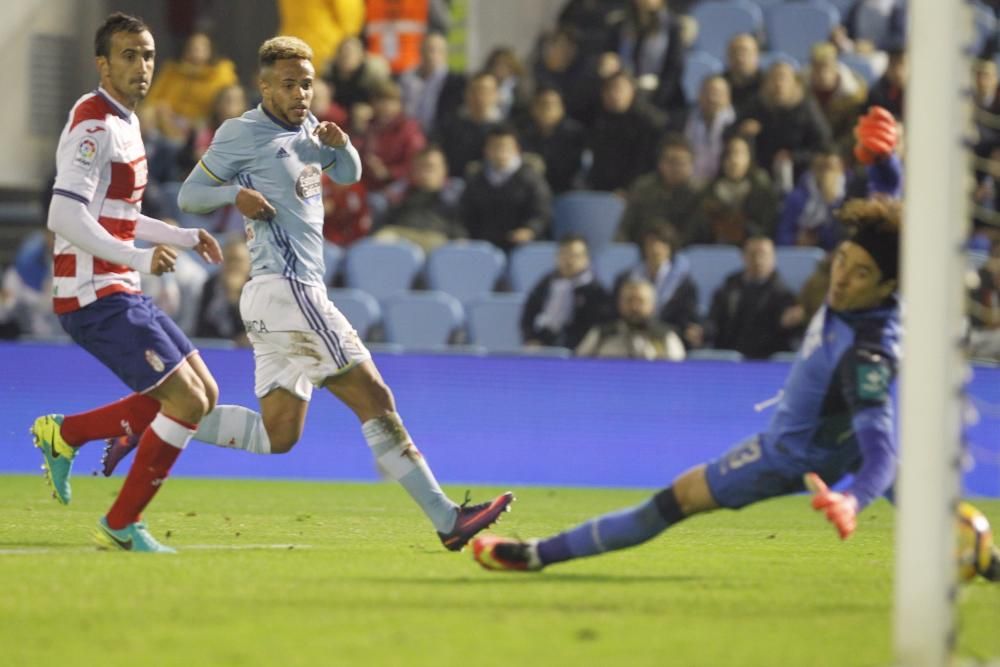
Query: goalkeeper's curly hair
[{"x": 885, "y": 214}]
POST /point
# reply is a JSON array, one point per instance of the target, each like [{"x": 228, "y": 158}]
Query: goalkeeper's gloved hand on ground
[
  {"x": 841, "y": 508},
  {"x": 875, "y": 135}
]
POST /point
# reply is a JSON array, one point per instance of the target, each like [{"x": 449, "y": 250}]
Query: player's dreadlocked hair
[
  {"x": 283, "y": 47},
  {"x": 874, "y": 224},
  {"x": 115, "y": 23}
]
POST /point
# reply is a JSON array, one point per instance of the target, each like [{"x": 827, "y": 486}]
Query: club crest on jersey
[
  {"x": 86, "y": 152},
  {"x": 154, "y": 361},
  {"x": 308, "y": 184}
]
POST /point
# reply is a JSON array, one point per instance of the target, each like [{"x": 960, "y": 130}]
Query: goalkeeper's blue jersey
[{"x": 285, "y": 163}]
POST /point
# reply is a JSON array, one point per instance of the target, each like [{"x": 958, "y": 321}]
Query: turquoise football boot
[
  {"x": 57, "y": 455},
  {"x": 133, "y": 537}
]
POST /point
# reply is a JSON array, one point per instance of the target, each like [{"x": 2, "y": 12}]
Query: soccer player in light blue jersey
[{"x": 268, "y": 163}]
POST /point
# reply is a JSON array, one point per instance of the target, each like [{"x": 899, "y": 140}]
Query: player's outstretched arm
[
  {"x": 345, "y": 167},
  {"x": 841, "y": 509},
  {"x": 157, "y": 231},
  {"x": 71, "y": 220},
  {"x": 201, "y": 193}
]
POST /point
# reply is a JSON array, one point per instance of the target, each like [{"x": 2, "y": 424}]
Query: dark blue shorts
[
  {"x": 754, "y": 470},
  {"x": 131, "y": 336}
]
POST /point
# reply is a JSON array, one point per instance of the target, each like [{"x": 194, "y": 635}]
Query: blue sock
[{"x": 618, "y": 530}]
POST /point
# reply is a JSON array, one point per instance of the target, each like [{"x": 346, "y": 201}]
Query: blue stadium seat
[
  {"x": 720, "y": 20},
  {"x": 592, "y": 215},
  {"x": 612, "y": 260},
  {"x": 861, "y": 66},
  {"x": 698, "y": 65},
  {"x": 333, "y": 255},
  {"x": 421, "y": 320},
  {"x": 768, "y": 58},
  {"x": 710, "y": 264},
  {"x": 842, "y": 6},
  {"x": 796, "y": 264},
  {"x": 709, "y": 354},
  {"x": 465, "y": 269},
  {"x": 383, "y": 268},
  {"x": 358, "y": 306},
  {"x": 493, "y": 322},
  {"x": 794, "y": 27},
  {"x": 529, "y": 263}
]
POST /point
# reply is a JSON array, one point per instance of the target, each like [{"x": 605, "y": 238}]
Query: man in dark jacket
[
  {"x": 555, "y": 137},
  {"x": 565, "y": 304}
]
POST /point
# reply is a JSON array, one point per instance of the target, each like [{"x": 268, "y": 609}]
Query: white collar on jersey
[{"x": 122, "y": 111}]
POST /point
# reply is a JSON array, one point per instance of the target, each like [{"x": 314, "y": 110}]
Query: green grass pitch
[{"x": 287, "y": 573}]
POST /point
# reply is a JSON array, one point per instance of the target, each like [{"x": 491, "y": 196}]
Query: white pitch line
[{"x": 31, "y": 551}]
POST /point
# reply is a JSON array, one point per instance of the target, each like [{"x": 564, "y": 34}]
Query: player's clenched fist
[
  {"x": 841, "y": 509},
  {"x": 875, "y": 135},
  {"x": 254, "y": 205},
  {"x": 331, "y": 134},
  {"x": 164, "y": 258}
]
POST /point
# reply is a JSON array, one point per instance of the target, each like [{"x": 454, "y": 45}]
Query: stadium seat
[
  {"x": 529, "y": 263},
  {"x": 714, "y": 355},
  {"x": 768, "y": 58},
  {"x": 359, "y": 307},
  {"x": 592, "y": 215},
  {"x": 612, "y": 260},
  {"x": 719, "y": 20},
  {"x": 698, "y": 65},
  {"x": 493, "y": 322},
  {"x": 784, "y": 357},
  {"x": 796, "y": 264},
  {"x": 421, "y": 320},
  {"x": 860, "y": 66},
  {"x": 710, "y": 264},
  {"x": 383, "y": 268},
  {"x": 794, "y": 27},
  {"x": 842, "y": 6},
  {"x": 465, "y": 269},
  {"x": 333, "y": 255},
  {"x": 985, "y": 24}
]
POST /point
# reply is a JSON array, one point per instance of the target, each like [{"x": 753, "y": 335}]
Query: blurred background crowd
[{"x": 654, "y": 179}]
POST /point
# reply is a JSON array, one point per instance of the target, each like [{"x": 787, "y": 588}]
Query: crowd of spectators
[{"x": 759, "y": 157}]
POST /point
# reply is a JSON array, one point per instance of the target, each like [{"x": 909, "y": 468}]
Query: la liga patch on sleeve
[
  {"x": 86, "y": 152},
  {"x": 873, "y": 382}
]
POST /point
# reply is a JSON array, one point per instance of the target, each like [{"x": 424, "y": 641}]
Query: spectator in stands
[
  {"x": 624, "y": 136},
  {"x": 184, "y": 91},
  {"x": 431, "y": 91},
  {"x": 462, "y": 137},
  {"x": 987, "y": 110},
  {"x": 219, "y": 307},
  {"x": 743, "y": 72},
  {"x": 785, "y": 125},
  {"x": 667, "y": 192},
  {"x": 391, "y": 140},
  {"x": 590, "y": 20},
  {"x": 566, "y": 303},
  {"x": 394, "y": 30},
  {"x": 513, "y": 83},
  {"x": 706, "y": 125},
  {"x": 889, "y": 91},
  {"x": 346, "y": 214},
  {"x": 839, "y": 92},
  {"x": 740, "y": 202},
  {"x": 323, "y": 106},
  {"x": 636, "y": 334},
  {"x": 507, "y": 201},
  {"x": 984, "y": 338},
  {"x": 353, "y": 76},
  {"x": 556, "y": 138},
  {"x": 809, "y": 214},
  {"x": 321, "y": 25},
  {"x": 871, "y": 26},
  {"x": 560, "y": 65},
  {"x": 648, "y": 41},
  {"x": 26, "y": 290},
  {"x": 676, "y": 297},
  {"x": 426, "y": 212},
  {"x": 754, "y": 312}
]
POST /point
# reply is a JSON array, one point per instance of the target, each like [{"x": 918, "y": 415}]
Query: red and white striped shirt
[{"x": 101, "y": 162}]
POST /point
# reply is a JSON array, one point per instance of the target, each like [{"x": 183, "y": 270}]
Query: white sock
[
  {"x": 399, "y": 458},
  {"x": 234, "y": 427}
]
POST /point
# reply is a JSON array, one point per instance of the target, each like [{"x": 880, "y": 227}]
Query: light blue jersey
[{"x": 284, "y": 163}]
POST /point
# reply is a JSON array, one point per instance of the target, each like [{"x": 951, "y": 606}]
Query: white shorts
[{"x": 299, "y": 337}]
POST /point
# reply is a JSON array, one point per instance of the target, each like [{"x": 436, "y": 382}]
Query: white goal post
[{"x": 938, "y": 187}]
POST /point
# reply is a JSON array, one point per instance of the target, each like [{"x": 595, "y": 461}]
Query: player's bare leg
[
  {"x": 689, "y": 495},
  {"x": 363, "y": 390}
]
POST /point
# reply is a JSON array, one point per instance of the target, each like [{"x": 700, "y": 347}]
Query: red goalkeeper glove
[
  {"x": 875, "y": 135},
  {"x": 841, "y": 508}
]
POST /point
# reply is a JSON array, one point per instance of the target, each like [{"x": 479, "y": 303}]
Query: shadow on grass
[{"x": 519, "y": 578}]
